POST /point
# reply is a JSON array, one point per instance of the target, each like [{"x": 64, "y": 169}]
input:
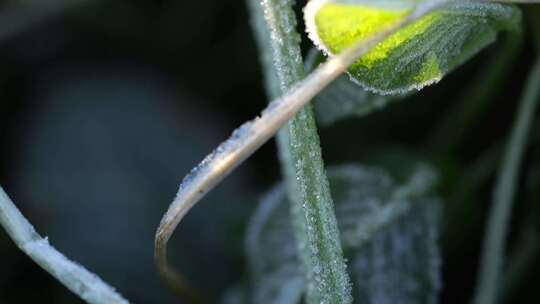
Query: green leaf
[
  {"x": 343, "y": 98},
  {"x": 388, "y": 231},
  {"x": 416, "y": 56},
  {"x": 272, "y": 252}
]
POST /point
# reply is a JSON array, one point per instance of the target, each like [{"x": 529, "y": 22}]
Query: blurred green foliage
[{"x": 107, "y": 104}]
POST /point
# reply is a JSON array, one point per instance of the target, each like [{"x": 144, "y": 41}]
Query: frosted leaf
[
  {"x": 416, "y": 56},
  {"x": 271, "y": 250},
  {"x": 401, "y": 264},
  {"x": 388, "y": 231},
  {"x": 343, "y": 98}
]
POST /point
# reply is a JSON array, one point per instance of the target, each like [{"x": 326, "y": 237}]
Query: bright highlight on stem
[{"x": 249, "y": 137}]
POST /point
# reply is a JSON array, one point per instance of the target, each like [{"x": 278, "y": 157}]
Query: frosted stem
[
  {"x": 250, "y": 136},
  {"x": 314, "y": 220},
  {"x": 505, "y": 188},
  {"x": 76, "y": 278}
]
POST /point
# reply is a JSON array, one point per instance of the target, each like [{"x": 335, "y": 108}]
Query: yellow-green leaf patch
[{"x": 417, "y": 55}]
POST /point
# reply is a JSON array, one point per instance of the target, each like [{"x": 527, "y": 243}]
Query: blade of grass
[
  {"x": 505, "y": 188},
  {"x": 312, "y": 208},
  {"x": 76, "y": 278},
  {"x": 460, "y": 214},
  {"x": 249, "y": 137}
]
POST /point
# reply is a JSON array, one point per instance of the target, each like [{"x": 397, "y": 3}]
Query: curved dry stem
[
  {"x": 174, "y": 281},
  {"x": 249, "y": 137},
  {"x": 76, "y": 278}
]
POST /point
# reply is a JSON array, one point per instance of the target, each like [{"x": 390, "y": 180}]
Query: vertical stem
[
  {"x": 312, "y": 207},
  {"x": 250, "y": 136},
  {"x": 497, "y": 226}
]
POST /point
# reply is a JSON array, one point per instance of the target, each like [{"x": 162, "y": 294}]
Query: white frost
[{"x": 74, "y": 276}]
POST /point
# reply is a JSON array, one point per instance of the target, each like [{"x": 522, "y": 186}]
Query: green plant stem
[
  {"x": 505, "y": 188},
  {"x": 312, "y": 207},
  {"x": 450, "y": 133},
  {"x": 80, "y": 281},
  {"x": 250, "y": 136},
  {"x": 460, "y": 212}
]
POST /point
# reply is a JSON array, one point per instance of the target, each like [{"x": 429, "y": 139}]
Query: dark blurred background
[{"x": 106, "y": 105}]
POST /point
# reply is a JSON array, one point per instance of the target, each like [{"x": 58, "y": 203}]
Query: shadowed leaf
[{"x": 389, "y": 234}]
